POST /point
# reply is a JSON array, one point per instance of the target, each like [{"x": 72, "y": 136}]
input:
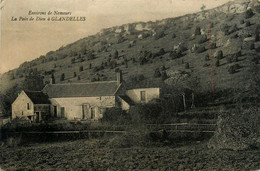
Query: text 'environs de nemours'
[{"x": 48, "y": 13}]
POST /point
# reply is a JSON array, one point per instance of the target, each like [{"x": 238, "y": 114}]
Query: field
[{"x": 93, "y": 154}]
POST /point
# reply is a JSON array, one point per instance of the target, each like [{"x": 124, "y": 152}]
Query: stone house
[
  {"x": 32, "y": 105},
  {"x": 87, "y": 101}
]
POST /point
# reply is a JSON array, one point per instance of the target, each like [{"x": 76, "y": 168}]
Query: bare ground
[{"x": 94, "y": 155}]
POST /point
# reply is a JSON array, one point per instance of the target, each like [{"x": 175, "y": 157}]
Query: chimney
[{"x": 119, "y": 77}]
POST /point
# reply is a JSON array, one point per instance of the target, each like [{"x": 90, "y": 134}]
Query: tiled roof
[
  {"x": 38, "y": 97},
  {"x": 93, "y": 89}
]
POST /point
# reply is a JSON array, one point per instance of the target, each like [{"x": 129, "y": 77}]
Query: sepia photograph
[{"x": 130, "y": 85}]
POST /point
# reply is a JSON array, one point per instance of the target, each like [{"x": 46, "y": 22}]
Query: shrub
[
  {"x": 233, "y": 29},
  {"x": 229, "y": 60},
  {"x": 232, "y": 69},
  {"x": 197, "y": 31},
  {"x": 249, "y": 13},
  {"x": 252, "y": 46},
  {"x": 162, "y": 68},
  {"x": 187, "y": 65},
  {"x": 164, "y": 75},
  {"x": 248, "y": 23},
  {"x": 238, "y": 130},
  {"x": 116, "y": 116},
  {"x": 62, "y": 77},
  {"x": 75, "y": 74},
  {"x": 174, "y": 55},
  {"x": 157, "y": 73},
  {"x": 217, "y": 63},
  {"x": 207, "y": 57},
  {"x": 257, "y": 49},
  {"x": 206, "y": 65},
  {"x": 159, "y": 35},
  {"x": 115, "y": 55},
  {"x": 257, "y": 38},
  {"x": 201, "y": 49},
  {"x": 219, "y": 54},
  {"x": 203, "y": 39},
  {"x": 213, "y": 45},
  {"x": 80, "y": 68},
  {"x": 225, "y": 29}
]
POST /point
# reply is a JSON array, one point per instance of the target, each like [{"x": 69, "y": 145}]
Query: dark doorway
[
  {"x": 55, "y": 111},
  {"x": 92, "y": 113},
  {"x": 62, "y": 112},
  {"x": 37, "y": 117},
  {"x": 85, "y": 109}
]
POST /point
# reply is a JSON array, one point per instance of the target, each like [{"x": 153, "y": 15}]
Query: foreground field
[{"x": 95, "y": 155}]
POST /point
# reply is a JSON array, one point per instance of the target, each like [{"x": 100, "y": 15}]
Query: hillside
[{"x": 166, "y": 50}]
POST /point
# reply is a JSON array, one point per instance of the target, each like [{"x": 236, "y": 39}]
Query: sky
[{"x": 26, "y": 40}]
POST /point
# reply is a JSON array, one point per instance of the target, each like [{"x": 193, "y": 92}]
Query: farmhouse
[
  {"x": 32, "y": 105},
  {"x": 86, "y": 101}
]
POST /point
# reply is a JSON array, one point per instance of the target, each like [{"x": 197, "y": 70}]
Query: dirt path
[{"x": 93, "y": 155}]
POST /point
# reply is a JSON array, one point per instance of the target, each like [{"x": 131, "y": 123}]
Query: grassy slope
[{"x": 183, "y": 28}]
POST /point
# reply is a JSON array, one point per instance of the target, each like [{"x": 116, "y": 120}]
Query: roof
[
  {"x": 38, "y": 97},
  {"x": 93, "y": 89},
  {"x": 127, "y": 99}
]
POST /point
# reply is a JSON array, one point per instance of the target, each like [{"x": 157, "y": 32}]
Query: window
[
  {"x": 28, "y": 106},
  {"x": 142, "y": 95}
]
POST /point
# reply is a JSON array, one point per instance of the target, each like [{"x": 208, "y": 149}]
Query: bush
[
  {"x": 238, "y": 130},
  {"x": 248, "y": 23},
  {"x": 229, "y": 60},
  {"x": 252, "y": 46},
  {"x": 115, "y": 55},
  {"x": 197, "y": 31},
  {"x": 201, "y": 49},
  {"x": 116, "y": 116},
  {"x": 203, "y": 39},
  {"x": 187, "y": 65},
  {"x": 164, "y": 75},
  {"x": 217, "y": 63},
  {"x": 232, "y": 69},
  {"x": 249, "y": 13},
  {"x": 159, "y": 35},
  {"x": 157, "y": 73},
  {"x": 219, "y": 54},
  {"x": 207, "y": 57},
  {"x": 213, "y": 45},
  {"x": 175, "y": 55},
  {"x": 257, "y": 49},
  {"x": 62, "y": 77}
]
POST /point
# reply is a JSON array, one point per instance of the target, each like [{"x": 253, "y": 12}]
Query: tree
[
  {"x": 75, "y": 74},
  {"x": 80, "y": 68},
  {"x": 115, "y": 55},
  {"x": 157, "y": 73},
  {"x": 187, "y": 65},
  {"x": 33, "y": 81},
  {"x": 217, "y": 63},
  {"x": 197, "y": 31},
  {"x": 202, "y": 8},
  {"x": 62, "y": 77}
]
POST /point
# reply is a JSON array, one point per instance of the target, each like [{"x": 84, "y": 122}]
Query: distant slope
[{"x": 163, "y": 50}]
